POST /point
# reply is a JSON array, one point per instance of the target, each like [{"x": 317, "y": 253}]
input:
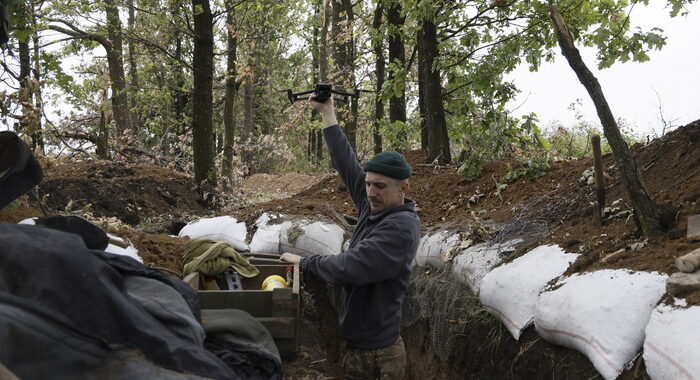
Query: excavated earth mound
[{"x": 129, "y": 192}]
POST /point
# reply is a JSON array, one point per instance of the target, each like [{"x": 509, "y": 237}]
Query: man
[{"x": 374, "y": 272}]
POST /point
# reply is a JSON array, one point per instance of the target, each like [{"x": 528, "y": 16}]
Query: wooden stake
[{"x": 599, "y": 178}]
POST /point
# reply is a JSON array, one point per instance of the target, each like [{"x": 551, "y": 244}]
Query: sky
[{"x": 630, "y": 88}]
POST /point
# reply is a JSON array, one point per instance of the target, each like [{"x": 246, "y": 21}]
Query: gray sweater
[{"x": 375, "y": 270}]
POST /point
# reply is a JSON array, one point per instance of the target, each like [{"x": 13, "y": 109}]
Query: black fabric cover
[
  {"x": 92, "y": 235},
  {"x": 242, "y": 342},
  {"x": 83, "y": 291},
  {"x": 37, "y": 345},
  {"x": 19, "y": 170}
]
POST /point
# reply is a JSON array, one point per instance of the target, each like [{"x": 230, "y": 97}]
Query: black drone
[{"x": 323, "y": 92}]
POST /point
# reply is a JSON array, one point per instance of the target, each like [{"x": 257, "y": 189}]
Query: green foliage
[
  {"x": 479, "y": 42},
  {"x": 530, "y": 167},
  {"x": 575, "y": 141},
  {"x": 472, "y": 167}
]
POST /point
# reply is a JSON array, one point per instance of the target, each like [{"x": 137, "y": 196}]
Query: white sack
[
  {"x": 129, "y": 251},
  {"x": 434, "y": 249},
  {"x": 672, "y": 344},
  {"x": 473, "y": 263},
  {"x": 267, "y": 237},
  {"x": 511, "y": 290},
  {"x": 309, "y": 239},
  {"x": 601, "y": 314},
  {"x": 222, "y": 228}
]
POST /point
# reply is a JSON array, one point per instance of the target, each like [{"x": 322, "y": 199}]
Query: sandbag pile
[
  {"x": 608, "y": 315},
  {"x": 511, "y": 290},
  {"x": 278, "y": 233},
  {"x": 671, "y": 349}
]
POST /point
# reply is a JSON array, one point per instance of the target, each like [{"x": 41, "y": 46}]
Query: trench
[{"x": 447, "y": 335}]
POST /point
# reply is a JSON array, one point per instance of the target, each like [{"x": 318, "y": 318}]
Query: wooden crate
[{"x": 278, "y": 309}]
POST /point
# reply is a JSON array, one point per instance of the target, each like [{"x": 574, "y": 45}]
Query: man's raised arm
[{"x": 342, "y": 156}]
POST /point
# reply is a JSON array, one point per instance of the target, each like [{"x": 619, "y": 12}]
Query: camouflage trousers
[{"x": 388, "y": 363}]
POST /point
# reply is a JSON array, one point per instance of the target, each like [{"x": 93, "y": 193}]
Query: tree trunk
[
  {"x": 180, "y": 98},
  {"x": 229, "y": 101},
  {"x": 647, "y": 212},
  {"x": 248, "y": 108},
  {"x": 438, "y": 141},
  {"x": 113, "y": 47},
  {"x": 323, "y": 68},
  {"x": 38, "y": 138},
  {"x": 339, "y": 77},
  {"x": 25, "y": 67},
  {"x": 315, "y": 53},
  {"x": 379, "y": 67},
  {"x": 102, "y": 148},
  {"x": 348, "y": 70},
  {"x": 421, "y": 105},
  {"x": 397, "y": 57},
  {"x": 202, "y": 97},
  {"x": 133, "y": 71}
]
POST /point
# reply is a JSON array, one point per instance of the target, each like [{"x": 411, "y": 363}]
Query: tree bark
[
  {"x": 438, "y": 140},
  {"x": 341, "y": 37},
  {"x": 315, "y": 57},
  {"x": 38, "y": 139},
  {"x": 397, "y": 57},
  {"x": 179, "y": 97},
  {"x": 25, "y": 66},
  {"x": 323, "y": 67},
  {"x": 202, "y": 96},
  {"x": 102, "y": 141},
  {"x": 248, "y": 107},
  {"x": 116, "y": 67},
  {"x": 379, "y": 70},
  {"x": 348, "y": 71},
  {"x": 424, "y": 137},
  {"x": 231, "y": 89},
  {"x": 647, "y": 212},
  {"x": 133, "y": 71}
]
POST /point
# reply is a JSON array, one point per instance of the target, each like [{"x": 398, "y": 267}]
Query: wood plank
[
  {"x": 280, "y": 327},
  {"x": 193, "y": 279}
]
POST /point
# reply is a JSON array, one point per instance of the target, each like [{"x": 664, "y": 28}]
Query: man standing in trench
[{"x": 375, "y": 270}]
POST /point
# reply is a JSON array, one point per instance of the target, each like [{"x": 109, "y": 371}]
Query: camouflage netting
[
  {"x": 450, "y": 306},
  {"x": 446, "y": 304}
]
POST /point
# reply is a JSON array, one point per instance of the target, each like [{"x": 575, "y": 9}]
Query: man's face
[{"x": 384, "y": 192}]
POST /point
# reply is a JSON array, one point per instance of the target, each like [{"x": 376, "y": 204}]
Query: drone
[{"x": 323, "y": 92}]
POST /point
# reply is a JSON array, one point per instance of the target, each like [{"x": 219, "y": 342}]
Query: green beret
[{"x": 391, "y": 164}]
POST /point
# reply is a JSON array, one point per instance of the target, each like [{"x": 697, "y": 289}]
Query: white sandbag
[
  {"x": 601, "y": 314},
  {"x": 470, "y": 266},
  {"x": 222, "y": 228},
  {"x": 671, "y": 347},
  {"x": 129, "y": 251},
  {"x": 307, "y": 239},
  {"x": 511, "y": 290},
  {"x": 434, "y": 250},
  {"x": 267, "y": 237}
]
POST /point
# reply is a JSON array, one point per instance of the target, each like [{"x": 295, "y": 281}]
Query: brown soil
[
  {"x": 554, "y": 208},
  {"x": 130, "y": 192}
]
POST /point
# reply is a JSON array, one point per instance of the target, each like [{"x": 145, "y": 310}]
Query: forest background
[{"x": 198, "y": 86}]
